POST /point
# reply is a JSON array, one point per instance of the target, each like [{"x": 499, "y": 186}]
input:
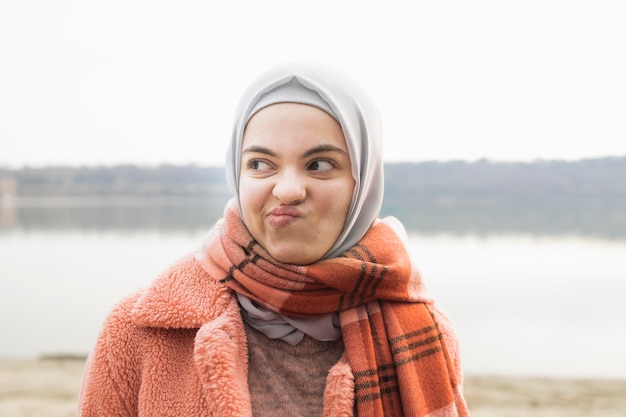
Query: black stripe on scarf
[
  {"x": 366, "y": 280},
  {"x": 382, "y": 382},
  {"x": 247, "y": 251}
]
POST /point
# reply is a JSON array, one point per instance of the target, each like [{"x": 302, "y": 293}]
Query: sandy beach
[{"x": 49, "y": 388}]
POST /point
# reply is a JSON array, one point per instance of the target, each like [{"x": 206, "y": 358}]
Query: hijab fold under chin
[{"x": 289, "y": 329}]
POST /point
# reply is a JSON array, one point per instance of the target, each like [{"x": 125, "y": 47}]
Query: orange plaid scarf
[{"x": 397, "y": 354}]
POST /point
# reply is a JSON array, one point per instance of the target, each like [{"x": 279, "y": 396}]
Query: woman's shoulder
[
  {"x": 180, "y": 267},
  {"x": 125, "y": 326},
  {"x": 119, "y": 323},
  {"x": 184, "y": 295},
  {"x": 122, "y": 311}
]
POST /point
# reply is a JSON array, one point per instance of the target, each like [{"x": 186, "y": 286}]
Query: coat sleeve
[{"x": 111, "y": 378}]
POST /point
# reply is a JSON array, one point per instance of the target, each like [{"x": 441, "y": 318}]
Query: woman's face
[{"x": 295, "y": 184}]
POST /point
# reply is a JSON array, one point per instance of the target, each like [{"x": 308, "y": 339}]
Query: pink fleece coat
[{"x": 178, "y": 348}]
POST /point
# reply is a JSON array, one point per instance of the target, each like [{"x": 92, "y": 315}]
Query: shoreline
[{"x": 48, "y": 387}]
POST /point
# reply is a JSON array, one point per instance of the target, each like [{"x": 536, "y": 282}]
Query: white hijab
[{"x": 340, "y": 97}]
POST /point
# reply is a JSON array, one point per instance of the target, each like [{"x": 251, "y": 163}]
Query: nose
[{"x": 289, "y": 188}]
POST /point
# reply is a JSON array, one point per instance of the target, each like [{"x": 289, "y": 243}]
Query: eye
[
  {"x": 258, "y": 165},
  {"x": 321, "y": 165}
]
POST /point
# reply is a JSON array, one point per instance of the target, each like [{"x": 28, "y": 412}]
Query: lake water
[{"x": 523, "y": 304}]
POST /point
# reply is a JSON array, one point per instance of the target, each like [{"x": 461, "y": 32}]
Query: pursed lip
[{"x": 282, "y": 216}]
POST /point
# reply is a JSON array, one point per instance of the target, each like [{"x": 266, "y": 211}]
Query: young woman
[{"x": 301, "y": 302}]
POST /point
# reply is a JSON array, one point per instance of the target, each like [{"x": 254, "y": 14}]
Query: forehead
[
  {"x": 280, "y": 112},
  {"x": 290, "y": 123}
]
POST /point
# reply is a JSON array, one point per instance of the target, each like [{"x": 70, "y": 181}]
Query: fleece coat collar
[
  {"x": 186, "y": 297},
  {"x": 182, "y": 297}
]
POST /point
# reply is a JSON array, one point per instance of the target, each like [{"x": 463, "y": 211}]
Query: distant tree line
[
  {"x": 118, "y": 180},
  {"x": 585, "y": 197},
  {"x": 584, "y": 183}
]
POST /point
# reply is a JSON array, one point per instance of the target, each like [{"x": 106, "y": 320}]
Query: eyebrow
[
  {"x": 312, "y": 151},
  {"x": 258, "y": 149},
  {"x": 323, "y": 148}
]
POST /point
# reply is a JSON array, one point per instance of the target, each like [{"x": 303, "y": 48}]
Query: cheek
[
  {"x": 248, "y": 199},
  {"x": 339, "y": 198},
  {"x": 346, "y": 192}
]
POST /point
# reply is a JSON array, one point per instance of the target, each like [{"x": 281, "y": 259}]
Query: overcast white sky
[{"x": 148, "y": 82}]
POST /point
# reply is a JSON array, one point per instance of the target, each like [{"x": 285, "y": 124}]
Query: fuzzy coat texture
[{"x": 178, "y": 348}]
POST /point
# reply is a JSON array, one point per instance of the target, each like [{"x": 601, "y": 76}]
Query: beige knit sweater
[{"x": 288, "y": 380}]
